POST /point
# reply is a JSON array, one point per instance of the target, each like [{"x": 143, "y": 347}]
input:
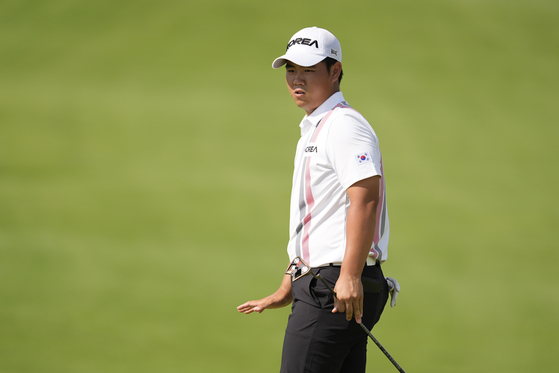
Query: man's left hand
[{"x": 349, "y": 297}]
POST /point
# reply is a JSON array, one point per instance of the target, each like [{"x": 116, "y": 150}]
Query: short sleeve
[{"x": 352, "y": 148}]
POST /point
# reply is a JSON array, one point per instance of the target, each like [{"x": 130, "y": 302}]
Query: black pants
[{"x": 319, "y": 341}]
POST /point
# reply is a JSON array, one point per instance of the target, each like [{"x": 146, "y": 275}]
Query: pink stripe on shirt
[
  {"x": 380, "y": 205},
  {"x": 309, "y": 198}
]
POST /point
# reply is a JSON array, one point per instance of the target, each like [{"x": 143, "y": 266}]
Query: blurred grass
[{"x": 145, "y": 163}]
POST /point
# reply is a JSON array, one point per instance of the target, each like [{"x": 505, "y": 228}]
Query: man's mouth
[{"x": 299, "y": 92}]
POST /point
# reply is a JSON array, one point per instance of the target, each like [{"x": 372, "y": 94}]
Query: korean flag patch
[{"x": 363, "y": 158}]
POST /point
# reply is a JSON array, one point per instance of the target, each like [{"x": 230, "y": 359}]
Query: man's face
[{"x": 311, "y": 86}]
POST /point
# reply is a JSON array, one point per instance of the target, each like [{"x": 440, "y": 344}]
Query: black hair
[{"x": 329, "y": 61}]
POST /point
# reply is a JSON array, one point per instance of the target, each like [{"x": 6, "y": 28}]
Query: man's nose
[{"x": 298, "y": 78}]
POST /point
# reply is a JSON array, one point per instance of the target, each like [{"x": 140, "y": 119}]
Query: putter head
[{"x": 297, "y": 269}]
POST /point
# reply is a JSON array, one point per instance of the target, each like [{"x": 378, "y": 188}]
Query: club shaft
[{"x": 382, "y": 348}]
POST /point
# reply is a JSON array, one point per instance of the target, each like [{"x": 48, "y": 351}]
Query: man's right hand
[
  {"x": 255, "y": 306},
  {"x": 281, "y": 298}
]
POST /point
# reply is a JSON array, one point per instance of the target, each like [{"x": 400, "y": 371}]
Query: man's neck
[{"x": 309, "y": 112}]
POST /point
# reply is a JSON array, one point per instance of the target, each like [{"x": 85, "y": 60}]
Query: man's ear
[{"x": 335, "y": 71}]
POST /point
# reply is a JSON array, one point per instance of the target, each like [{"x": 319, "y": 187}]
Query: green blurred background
[{"x": 146, "y": 153}]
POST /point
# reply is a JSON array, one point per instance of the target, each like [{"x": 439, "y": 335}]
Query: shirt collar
[{"x": 322, "y": 110}]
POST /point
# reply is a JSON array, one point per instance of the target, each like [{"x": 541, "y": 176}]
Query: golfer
[{"x": 338, "y": 217}]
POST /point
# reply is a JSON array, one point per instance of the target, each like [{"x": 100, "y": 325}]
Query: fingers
[
  {"x": 250, "y": 307},
  {"x": 351, "y": 309},
  {"x": 341, "y": 307},
  {"x": 338, "y": 306},
  {"x": 358, "y": 312}
]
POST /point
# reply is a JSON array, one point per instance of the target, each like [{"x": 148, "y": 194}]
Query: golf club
[{"x": 298, "y": 268}]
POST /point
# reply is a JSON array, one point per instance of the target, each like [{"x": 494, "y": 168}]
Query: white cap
[{"x": 310, "y": 46}]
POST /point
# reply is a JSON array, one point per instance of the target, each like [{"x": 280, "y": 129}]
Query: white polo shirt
[{"x": 337, "y": 148}]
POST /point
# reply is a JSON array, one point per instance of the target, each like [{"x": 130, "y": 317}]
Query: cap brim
[{"x": 298, "y": 59}]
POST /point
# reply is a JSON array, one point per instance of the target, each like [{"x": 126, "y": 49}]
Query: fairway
[{"x": 146, "y": 155}]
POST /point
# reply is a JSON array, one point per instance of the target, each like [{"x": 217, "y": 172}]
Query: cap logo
[
  {"x": 303, "y": 41},
  {"x": 334, "y": 52}
]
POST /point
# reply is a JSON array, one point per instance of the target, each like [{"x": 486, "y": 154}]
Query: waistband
[{"x": 370, "y": 262}]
